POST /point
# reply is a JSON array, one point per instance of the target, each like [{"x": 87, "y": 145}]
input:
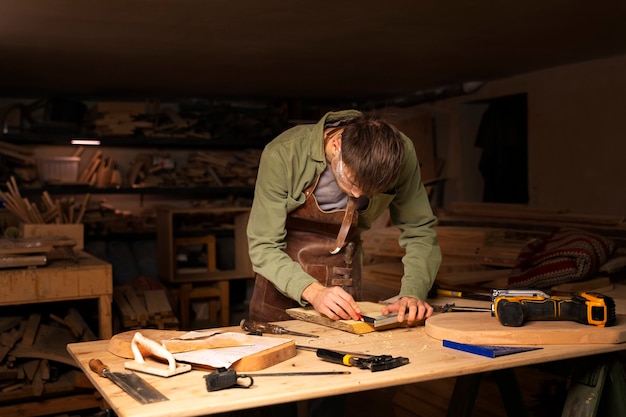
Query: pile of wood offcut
[
  {"x": 37, "y": 374},
  {"x": 144, "y": 308}
]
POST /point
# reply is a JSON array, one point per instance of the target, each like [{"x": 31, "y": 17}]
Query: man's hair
[{"x": 372, "y": 149}]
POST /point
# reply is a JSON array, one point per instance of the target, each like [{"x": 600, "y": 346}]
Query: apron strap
[{"x": 345, "y": 225}]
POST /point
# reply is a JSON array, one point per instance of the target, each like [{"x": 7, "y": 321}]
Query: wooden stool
[{"x": 213, "y": 290}]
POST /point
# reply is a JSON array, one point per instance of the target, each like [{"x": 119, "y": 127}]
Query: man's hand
[
  {"x": 413, "y": 309},
  {"x": 333, "y": 302}
]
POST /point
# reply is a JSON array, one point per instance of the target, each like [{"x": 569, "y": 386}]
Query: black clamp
[{"x": 226, "y": 378}]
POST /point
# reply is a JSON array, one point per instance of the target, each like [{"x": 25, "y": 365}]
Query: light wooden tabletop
[{"x": 429, "y": 360}]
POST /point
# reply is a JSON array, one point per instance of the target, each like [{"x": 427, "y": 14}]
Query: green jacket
[{"x": 291, "y": 163}]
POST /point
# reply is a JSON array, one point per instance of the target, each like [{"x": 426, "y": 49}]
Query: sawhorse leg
[
  {"x": 598, "y": 388},
  {"x": 466, "y": 390}
]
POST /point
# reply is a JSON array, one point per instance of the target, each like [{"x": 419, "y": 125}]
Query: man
[{"x": 318, "y": 186}]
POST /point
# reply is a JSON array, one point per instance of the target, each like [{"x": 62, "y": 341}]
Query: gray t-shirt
[{"x": 328, "y": 194}]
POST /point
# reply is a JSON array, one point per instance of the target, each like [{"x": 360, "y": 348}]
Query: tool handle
[
  {"x": 140, "y": 344},
  {"x": 515, "y": 313},
  {"x": 335, "y": 357},
  {"x": 258, "y": 326},
  {"x": 98, "y": 367}
]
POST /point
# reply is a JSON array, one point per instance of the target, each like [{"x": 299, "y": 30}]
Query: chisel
[
  {"x": 132, "y": 384},
  {"x": 262, "y": 327}
]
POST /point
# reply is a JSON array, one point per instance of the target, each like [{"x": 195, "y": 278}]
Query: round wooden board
[
  {"x": 483, "y": 329},
  {"x": 119, "y": 345}
]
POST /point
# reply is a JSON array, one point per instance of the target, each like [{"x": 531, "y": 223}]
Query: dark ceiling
[{"x": 311, "y": 50}]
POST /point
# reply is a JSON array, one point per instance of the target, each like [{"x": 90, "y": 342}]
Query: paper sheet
[{"x": 225, "y": 357}]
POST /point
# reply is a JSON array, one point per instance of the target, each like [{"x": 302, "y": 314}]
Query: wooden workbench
[
  {"x": 62, "y": 280},
  {"x": 429, "y": 360}
]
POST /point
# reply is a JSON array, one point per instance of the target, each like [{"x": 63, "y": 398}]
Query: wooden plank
[
  {"x": 50, "y": 344},
  {"x": 32, "y": 326},
  {"x": 78, "y": 326},
  {"x": 9, "y": 322},
  {"x": 381, "y": 281},
  {"x": 481, "y": 328},
  {"x": 21, "y": 261},
  {"x": 456, "y": 279},
  {"x": 137, "y": 304},
  {"x": 129, "y": 315},
  {"x": 61, "y": 280},
  {"x": 32, "y": 245},
  {"x": 157, "y": 302},
  {"x": 37, "y": 383},
  {"x": 520, "y": 211},
  {"x": 74, "y": 232},
  {"x": 120, "y": 343},
  {"x": 8, "y": 339},
  {"x": 30, "y": 368},
  {"x": 367, "y": 308}
]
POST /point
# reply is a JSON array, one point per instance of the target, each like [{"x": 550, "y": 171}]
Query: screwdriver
[{"x": 262, "y": 327}]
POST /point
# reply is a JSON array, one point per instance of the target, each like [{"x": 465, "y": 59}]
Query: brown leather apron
[{"x": 328, "y": 247}]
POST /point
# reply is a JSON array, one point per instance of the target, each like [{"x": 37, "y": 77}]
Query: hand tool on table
[
  {"x": 228, "y": 378},
  {"x": 258, "y": 328},
  {"x": 141, "y": 344},
  {"x": 355, "y": 354},
  {"x": 436, "y": 290},
  {"x": 392, "y": 318},
  {"x": 373, "y": 363},
  {"x": 515, "y": 307},
  {"x": 131, "y": 383}
]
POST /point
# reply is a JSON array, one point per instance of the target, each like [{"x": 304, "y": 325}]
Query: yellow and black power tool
[{"x": 515, "y": 307}]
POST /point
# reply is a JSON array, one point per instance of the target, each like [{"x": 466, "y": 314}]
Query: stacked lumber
[
  {"x": 146, "y": 308},
  {"x": 381, "y": 280},
  {"x": 222, "y": 168},
  {"x": 101, "y": 172},
  {"x": 196, "y": 119},
  {"x": 488, "y": 246},
  {"x": 203, "y": 169},
  {"x": 37, "y": 374},
  {"x": 20, "y": 160},
  {"x": 118, "y": 119},
  {"x": 480, "y": 243},
  {"x": 172, "y": 124},
  {"x": 58, "y": 211},
  {"x": 519, "y": 216},
  {"x": 130, "y": 119}
]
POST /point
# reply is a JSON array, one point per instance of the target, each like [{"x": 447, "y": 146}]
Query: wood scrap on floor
[
  {"x": 35, "y": 366},
  {"x": 144, "y": 308}
]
